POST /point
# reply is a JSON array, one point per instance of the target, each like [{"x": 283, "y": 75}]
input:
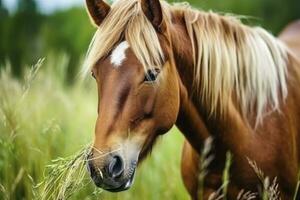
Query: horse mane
[
  {"x": 235, "y": 60},
  {"x": 230, "y": 59}
]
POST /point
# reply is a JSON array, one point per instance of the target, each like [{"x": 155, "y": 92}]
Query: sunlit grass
[
  {"x": 64, "y": 176},
  {"x": 297, "y": 190}
]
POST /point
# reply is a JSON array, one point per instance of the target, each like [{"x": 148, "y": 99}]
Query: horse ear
[
  {"x": 98, "y": 10},
  {"x": 153, "y": 11}
]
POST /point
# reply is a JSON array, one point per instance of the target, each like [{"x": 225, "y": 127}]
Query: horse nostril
[{"x": 116, "y": 167}]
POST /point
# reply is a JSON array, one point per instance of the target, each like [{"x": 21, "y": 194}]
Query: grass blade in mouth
[{"x": 64, "y": 177}]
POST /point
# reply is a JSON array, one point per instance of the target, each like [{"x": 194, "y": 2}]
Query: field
[{"x": 42, "y": 119}]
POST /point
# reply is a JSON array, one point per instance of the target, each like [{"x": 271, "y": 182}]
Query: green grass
[
  {"x": 42, "y": 119},
  {"x": 297, "y": 190}
]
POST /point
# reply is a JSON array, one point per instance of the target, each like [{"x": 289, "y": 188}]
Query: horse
[{"x": 157, "y": 65}]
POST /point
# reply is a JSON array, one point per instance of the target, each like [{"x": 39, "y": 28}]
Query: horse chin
[{"x": 124, "y": 186}]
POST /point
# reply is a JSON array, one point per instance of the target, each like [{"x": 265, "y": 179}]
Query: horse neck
[{"x": 194, "y": 120}]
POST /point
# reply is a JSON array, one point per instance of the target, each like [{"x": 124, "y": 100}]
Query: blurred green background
[{"x": 47, "y": 112}]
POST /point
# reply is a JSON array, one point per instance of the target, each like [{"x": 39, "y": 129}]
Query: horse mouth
[{"x": 124, "y": 186}]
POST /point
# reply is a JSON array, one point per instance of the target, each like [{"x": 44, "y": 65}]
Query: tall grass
[
  {"x": 297, "y": 190},
  {"x": 205, "y": 159},
  {"x": 268, "y": 191},
  {"x": 270, "y": 188},
  {"x": 43, "y": 122},
  {"x": 226, "y": 174}
]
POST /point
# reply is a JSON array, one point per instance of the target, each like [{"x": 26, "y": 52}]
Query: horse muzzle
[{"x": 112, "y": 173}]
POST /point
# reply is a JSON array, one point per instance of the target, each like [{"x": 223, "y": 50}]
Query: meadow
[{"x": 43, "y": 120}]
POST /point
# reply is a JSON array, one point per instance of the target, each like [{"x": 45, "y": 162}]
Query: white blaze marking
[{"x": 118, "y": 54}]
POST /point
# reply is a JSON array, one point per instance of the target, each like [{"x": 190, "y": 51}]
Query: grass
[
  {"x": 64, "y": 177},
  {"x": 43, "y": 123},
  {"x": 297, "y": 187},
  {"x": 205, "y": 160},
  {"x": 226, "y": 175},
  {"x": 269, "y": 188}
]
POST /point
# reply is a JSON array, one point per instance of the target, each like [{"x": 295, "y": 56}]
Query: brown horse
[{"x": 157, "y": 65}]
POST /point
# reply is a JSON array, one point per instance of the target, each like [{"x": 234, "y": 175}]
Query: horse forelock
[{"x": 126, "y": 21}]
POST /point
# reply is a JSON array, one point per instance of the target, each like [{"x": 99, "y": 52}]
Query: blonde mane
[{"x": 230, "y": 59}]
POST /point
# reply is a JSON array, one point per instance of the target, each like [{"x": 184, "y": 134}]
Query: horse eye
[{"x": 151, "y": 75}]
